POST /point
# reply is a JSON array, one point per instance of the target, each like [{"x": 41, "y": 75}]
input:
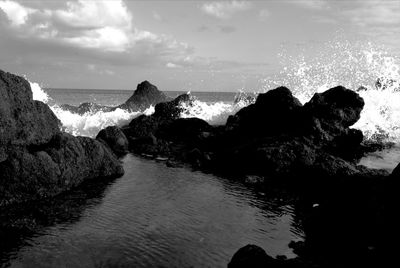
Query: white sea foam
[
  {"x": 341, "y": 63},
  {"x": 38, "y": 93},
  {"x": 88, "y": 124}
]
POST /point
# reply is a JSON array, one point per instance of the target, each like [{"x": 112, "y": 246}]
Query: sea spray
[
  {"x": 363, "y": 67},
  {"x": 88, "y": 124}
]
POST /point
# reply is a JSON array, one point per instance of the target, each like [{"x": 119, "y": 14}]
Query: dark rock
[
  {"x": 144, "y": 96},
  {"x": 274, "y": 112},
  {"x": 115, "y": 139},
  {"x": 251, "y": 256},
  {"x": 172, "y": 109},
  {"x": 23, "y": 121},
  {"x": 164, "y": 133},
  {"x": 37, "y": 159},
  {"x": 181, "y": 129},
  {"x": 255, "y": 257},
  {"x": 337, "y": 109}
]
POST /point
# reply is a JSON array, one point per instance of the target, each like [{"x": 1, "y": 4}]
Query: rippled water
[{"x": 155, "y": 216}]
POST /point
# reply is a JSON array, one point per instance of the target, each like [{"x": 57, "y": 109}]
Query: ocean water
[{"x": 173, "y": 217}]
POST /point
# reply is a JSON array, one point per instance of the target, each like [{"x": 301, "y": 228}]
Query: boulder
[
  {"x": 23, "y": 121},
  {"x": 251, "y": 256},
  {"x": 274, "y": 113},
  {"x": 115, "y": 139},
  {"x": 336, "y": 109},
  {"x": 172, "y": 109},
  {"x": 37, "y": 160}
]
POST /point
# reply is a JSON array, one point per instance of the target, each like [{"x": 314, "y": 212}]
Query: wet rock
[
  {"x": 172, "y": 109},
  {"x": 251, "y": 256},
  {"x": 23, "y": 121},
  {"x": 337, "y": 108},
  {"x": 37, "y": 159},
  {"x": 274, "y": 112},
  {"x": 255, "y": 257},
  {"x": 164, "y": 133},
  {"x": 115, "y": 139}
]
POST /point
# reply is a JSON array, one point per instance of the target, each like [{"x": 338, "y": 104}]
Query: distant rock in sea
[
  {"x": 38, "y": 160},
  {"x": 145, "y": 95}
]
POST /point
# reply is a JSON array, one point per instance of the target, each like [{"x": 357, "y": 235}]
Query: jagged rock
[
  {"x": 144, "y": 96},
  {"x": 37, "y": 160},
  {"x": 115, "y": 139}
]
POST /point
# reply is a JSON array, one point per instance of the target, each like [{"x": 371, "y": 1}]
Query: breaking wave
[
  {"x": 366, "y": 68},
  {"x": 363, "y": 67},
  {"x": 88, "y": 124}
]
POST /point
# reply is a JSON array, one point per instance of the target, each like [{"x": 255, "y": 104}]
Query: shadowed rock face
[
  {"x": 276, "y": 136},
  {"x": 37, "y": 160},
  {"x": 23, "y": 121},
  {"x": 115, "y": 139}
]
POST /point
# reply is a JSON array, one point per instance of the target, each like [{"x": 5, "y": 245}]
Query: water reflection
[{"x": 156, "y": 216}]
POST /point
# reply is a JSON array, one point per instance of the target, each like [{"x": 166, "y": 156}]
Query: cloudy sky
[{"x": 178, "y": 45}]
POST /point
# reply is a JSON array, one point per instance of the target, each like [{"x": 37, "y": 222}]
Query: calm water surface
[{"x": 155, "y": 216}]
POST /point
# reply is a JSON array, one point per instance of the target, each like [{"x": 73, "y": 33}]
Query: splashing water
[
  {"x": 215, "y": 113},
  {"x": 363, "y": 67},
  {"x": 88, "y": 124},
  {"x": 38, "y": 93}
]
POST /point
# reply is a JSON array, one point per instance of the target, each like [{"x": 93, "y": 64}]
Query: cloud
[
  {"x": 225, "y": 9},
  {"x": 203, "y": 28},
  {"x": 157, "y": 16},
  {"x": 264, "y": 14},
  {"x": 375, "y": 13},
  {"x": 311, "y": 4},
  {"x": 172, "y": 65},
  {"x": 15, "y": 12},
  {"x": 103, "y": 27},
  {"x": 378, "y": 20}
]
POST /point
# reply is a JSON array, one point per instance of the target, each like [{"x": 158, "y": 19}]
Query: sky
[{"x": 179, "y": 45}]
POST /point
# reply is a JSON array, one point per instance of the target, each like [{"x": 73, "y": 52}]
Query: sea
[{"x": 156, "y": 216}]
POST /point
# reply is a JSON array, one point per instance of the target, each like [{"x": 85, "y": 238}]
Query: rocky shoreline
[
  {"x": 275, "y": 142},
  {"x": 37, "y": 159}
]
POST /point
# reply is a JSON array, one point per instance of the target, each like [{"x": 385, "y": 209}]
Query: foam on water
[
  {"x": 352, "y": 65},
  {"x": 88, "y": 124},
  {"x": 215, "y": 113}
]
